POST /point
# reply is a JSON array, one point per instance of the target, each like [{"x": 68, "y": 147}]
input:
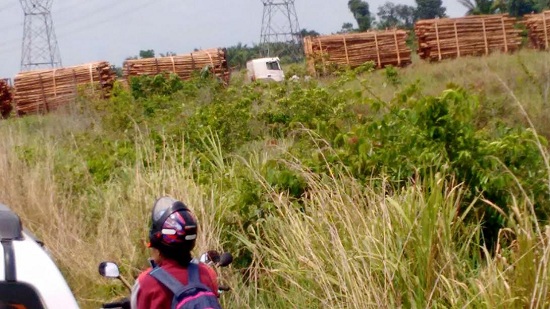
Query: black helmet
[{"x": 173, "y": 225}]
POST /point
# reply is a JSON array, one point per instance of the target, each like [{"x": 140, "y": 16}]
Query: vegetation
[
  {"x": 428, "y": 9},
  {"x": 516, "y": 8},
  {"x": 482, "y": 7},
  {"x": 392, "y": 15},
  {"x": 425, "y": 186},
  {"x": 361, "y": 13}
]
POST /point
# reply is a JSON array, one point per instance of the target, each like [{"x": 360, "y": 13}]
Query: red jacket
[{"x": 149, "y": 293}]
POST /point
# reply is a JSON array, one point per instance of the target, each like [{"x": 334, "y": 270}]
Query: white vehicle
[
  {"x": 265, "y": 69},
  {"x": 28, "y": 276}
]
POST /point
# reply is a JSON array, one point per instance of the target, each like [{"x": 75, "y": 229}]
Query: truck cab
[
  {"x": 28, "y": 276},
  {"x": 265, "y": 69}
]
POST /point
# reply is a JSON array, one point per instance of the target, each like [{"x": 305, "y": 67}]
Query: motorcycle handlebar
[
  {"x": 224, "y": 288},
  {"x": 123, "y": 304}
]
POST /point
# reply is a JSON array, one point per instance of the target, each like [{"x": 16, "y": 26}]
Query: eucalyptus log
[
  {"x": 5, "y": 99},
  {"x": 386, "y": 47},
  {"x": 42, "y": 91},
  {"x": 466, "y": 36},
  {"x": 215, "y": 60},
  {"x": 538, "y": 26}
]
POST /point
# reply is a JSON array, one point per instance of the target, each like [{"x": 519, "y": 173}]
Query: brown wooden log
[
  {"x": 46, "y": 90},
  {"x": 5, "y": 99},
  {"x": 471, "y": 35},
  {"x": 354, "y": 49},
  {"x": 182, "y": 65},
  {"x": 538, "y": 26}
]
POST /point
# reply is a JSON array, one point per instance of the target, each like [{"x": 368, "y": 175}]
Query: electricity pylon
[
  {"x": 280, "y": 33},
  {"x": 39, "y": 48}
]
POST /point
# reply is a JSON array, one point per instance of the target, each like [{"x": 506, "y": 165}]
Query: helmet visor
[{"x": 162, "y": 205}]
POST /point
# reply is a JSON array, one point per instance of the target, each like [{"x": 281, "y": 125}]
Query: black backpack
[{"x": 194, "y": 295}]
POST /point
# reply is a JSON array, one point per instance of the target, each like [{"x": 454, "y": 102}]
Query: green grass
[{"x": 304, "y": 235}]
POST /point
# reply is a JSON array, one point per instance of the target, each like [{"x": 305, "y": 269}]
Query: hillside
[{"x": 425, "y": 186}]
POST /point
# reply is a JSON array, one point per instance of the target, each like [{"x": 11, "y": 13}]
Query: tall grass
[
  {"x": 353, "y": 247},
  {"x": 104, "y": 222},
  {"x": 344, "y": 245},
  {"x": 526, "y": 72},
  {"x": 347, "y": 246}
]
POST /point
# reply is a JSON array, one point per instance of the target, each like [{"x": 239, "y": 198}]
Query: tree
[
  {"x": 387, "y": 15},
  {"x": 346, "y": 28},
  {"x": 501, "y": 6},
  {"x": 117, "y": 70},
  {"x": 361, "y": 13},
  {"x": 519, "y": 8},
  {"x": 147, "y": 53},
  {"x": 407, "y": 15},
  {"x": 516, "y": 8},
  {"x": 541, "y": 5},
  {"x": 391, "y": 15},
  {"x": 168, "y": 54},
  {"x": 239, "y": 54},
  {"x": 428, "y": 9},
  {"x": 479, "y": 7},
  {"x": 305, "y": 32}
]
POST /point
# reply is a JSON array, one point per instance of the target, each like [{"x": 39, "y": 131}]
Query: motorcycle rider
[{"x": 171, "y": 238}]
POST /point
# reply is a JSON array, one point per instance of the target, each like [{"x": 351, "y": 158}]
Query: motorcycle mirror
[
  {"x": 109, "y": 270},
  {"x": 225, "y": 259},
  {"x": 210, "y": 256}
]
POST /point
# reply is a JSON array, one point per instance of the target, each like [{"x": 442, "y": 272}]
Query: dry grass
[
  {"x": 352, "y": 247},
  {"x": 62, "y": 219}
]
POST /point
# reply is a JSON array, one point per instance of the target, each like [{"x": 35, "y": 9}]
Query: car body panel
[
  {"x": 40, "y": 271},
  {"x": 34, "y": 266},
  {"x": 2, "y": 274}
]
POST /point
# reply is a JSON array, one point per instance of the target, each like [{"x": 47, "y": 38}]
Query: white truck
[
  {"x": 265, "y": 69},
  {"x": 29, "y": 278}
]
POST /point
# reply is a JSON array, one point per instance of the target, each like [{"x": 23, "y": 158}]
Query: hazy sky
[{"x": 111, "y": 30}]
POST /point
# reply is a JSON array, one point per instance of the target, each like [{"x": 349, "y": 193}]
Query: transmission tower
[
  {"x": 280, "y": 30},
  {"x": 39, "y": 48}
]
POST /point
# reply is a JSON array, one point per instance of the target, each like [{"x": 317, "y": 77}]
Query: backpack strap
[
  {"x": 175, "y": 285},
  {"x": 193, "y": 272},
  {"x": 168, "y": 280}
]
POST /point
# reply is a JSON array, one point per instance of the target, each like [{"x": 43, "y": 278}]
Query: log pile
[
  {"x": 387, "y": 47},
  {"x": 46, "y": 90},
  {"x": 5, "y": 99},
  {"x": 538, "y": 26},
  {"x": 466, "y": 36},
  {"x": 182, "y": 65}
]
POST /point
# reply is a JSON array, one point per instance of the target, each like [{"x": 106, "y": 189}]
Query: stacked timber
[
  {"x": 538, "y": 26},
  {"x": 46, "y": 90},
  {"x": 5, "y": 99},
  {"x": 466, "y": 36},
  {"x": 386, "y": 47},
  {"x": 215, "y": 60}
]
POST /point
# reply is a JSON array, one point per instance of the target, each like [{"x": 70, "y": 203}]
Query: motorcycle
[{"x": 211, "y": 258}]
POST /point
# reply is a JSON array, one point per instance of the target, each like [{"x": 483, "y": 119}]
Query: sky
[{"x": 112, "y": 30}]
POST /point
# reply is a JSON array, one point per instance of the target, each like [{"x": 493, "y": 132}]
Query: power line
[
  {"x": 108, "y": 19},
  {"x": 8, "y": 6},
  {"x": 54, "y": 12},
  {"x": 8, "y": 45},
  {"x": 87, "y": 15}
]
